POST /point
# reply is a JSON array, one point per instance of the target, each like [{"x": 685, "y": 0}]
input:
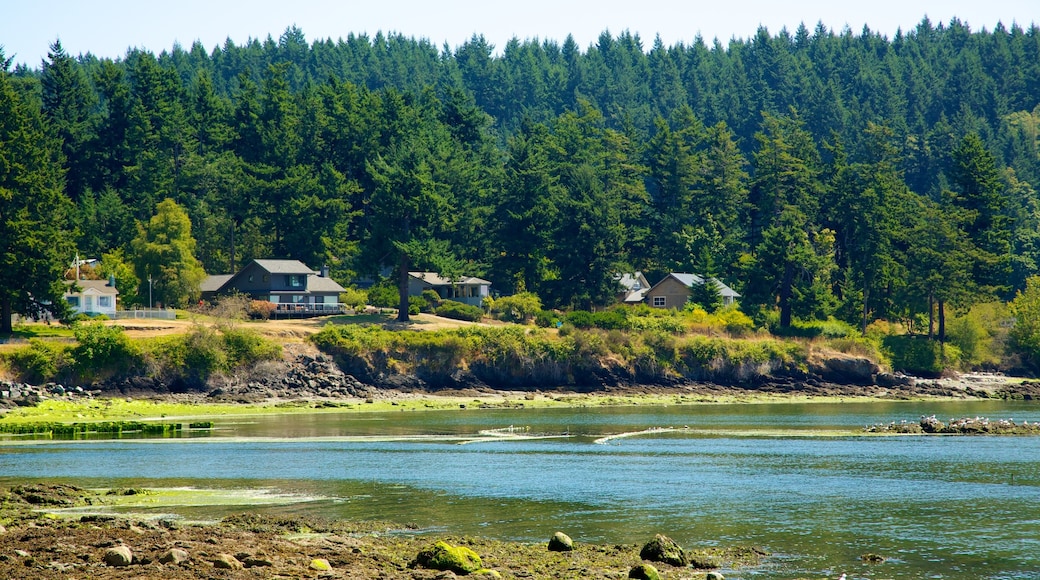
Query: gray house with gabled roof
[
  {"x": 674, "y": 291},
  {"x": 289, "y": 284}
]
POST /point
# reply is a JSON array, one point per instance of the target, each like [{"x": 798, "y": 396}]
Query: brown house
[{"x": 674, "y": 291}]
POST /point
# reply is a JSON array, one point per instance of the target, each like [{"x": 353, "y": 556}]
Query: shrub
[
  {"x": 580, "y": 319},
  {"x": 384, "y": 296},
  {"x": 919, "y": 355},
  {"x": 517, "y": 308},
  {"x": 460, "y": 311},
  {"x": 103, "y": 348},
  {"x": 614, "y": 319},
  {"x": 431, "y": 297},
  {"x": 354, "y": 299},
  {"x": 546, "y": 319},
  {"x": 417, "y": 304},
  {"x": 246, "y": 347},
  {"x": 261, "y": 309},
  {"x": 40, "y": 361}
]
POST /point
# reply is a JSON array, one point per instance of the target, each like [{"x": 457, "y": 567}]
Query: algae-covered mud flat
[{"x": 801, "y": 481}]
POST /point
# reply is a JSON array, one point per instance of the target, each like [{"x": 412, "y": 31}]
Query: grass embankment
[{"x": 524, "y": 357}]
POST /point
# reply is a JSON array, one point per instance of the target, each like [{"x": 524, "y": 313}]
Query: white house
[{"x": 92, "y": 297}]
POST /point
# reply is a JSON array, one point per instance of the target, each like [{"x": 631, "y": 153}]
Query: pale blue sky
[{"x": 107, "y": 28}]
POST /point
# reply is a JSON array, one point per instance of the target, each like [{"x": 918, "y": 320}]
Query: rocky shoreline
[
  {"x": 35, "y": 543},
  {"x": 307, "y": 374}
]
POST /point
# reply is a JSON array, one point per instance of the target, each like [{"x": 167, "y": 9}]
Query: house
[
  {"x": 674, "y": 290},
  {"x": 467, "y": 289},
  {"x": 633, "y": 287},
  {"x": 289, "y": 284},
  {"x": 92, "y": 297}
]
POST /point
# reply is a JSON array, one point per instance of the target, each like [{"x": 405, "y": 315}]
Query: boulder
[
  {"x": 444, "y": 556},
  {"x": 714, "y": 576},
  {"x": 560, "y": 542},
  {"x": 174, "y": 556},
  {"x": 320, "y": 564},
  {"x": 845, "y": 369},
  {"x": 644, "y": 572},
  {"x": 119, "y": 556},
  {"x": 226, "y": 562},
  {"x": 664, "y": 549}
]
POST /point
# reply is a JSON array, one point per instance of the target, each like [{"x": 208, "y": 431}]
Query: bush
[
  {"x": 354, "y": 299},
  {"x": 384, "y": 296},
  {"x": 614, "y": 319},
  {"x": 246, "y": 347},
  {"x": 40, "y": 361},
  {"x": 417, "y": 304},
  {"x": 460, "y": 311},
  {"x": 432, "y": 297},
  {"x": 919, "y": 355},
  {"x": 580, "y": 319},
  {"x": 103, "y": 348},
  {"x": 261, "y": 309},
  {"x": 517, "y": 308},
  {"x": 546, "y": 319}
]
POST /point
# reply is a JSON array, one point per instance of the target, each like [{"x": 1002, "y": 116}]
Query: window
[
  {"x": 295, "y": 281},
  {"x": 104, "y": 301},
  {"x": 659, "y": 301},
  {"x": 73, "y": 301}
]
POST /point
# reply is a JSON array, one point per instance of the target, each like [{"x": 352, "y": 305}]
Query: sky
[{"x": 107, "y": 28}]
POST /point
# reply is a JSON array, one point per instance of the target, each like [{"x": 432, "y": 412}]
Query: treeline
[{"x": 818, "y": 173}]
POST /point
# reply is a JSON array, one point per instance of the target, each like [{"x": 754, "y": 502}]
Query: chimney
[
  {"x": 324, "y": 271},
  {"x": 112, "y": 280}
]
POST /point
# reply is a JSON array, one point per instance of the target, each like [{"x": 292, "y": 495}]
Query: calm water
[{"x": 937, "y": 507}]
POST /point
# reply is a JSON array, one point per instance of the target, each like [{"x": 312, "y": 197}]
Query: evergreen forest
[{"x": 819, "y": 173}]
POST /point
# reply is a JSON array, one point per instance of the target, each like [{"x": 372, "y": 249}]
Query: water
[{"x": 936, "y": 507}]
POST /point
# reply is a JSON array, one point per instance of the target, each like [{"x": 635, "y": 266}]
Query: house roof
[
  {"x": 284, "y": 266},
  {"x": 632, "y": 281},
  {"x": 435, "y": 279},
  {"x": 215, "y": 282},
  {"x": 690, "y": 279},
  {"x": 317, "y": 283},
  {"x": 91, "y": 286}
]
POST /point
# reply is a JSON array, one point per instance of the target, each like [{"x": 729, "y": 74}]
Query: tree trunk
[
  {"x": 942, "y": 322},
  {"x": 402, "y": 289},
  {"x": 785, "y": 295},
  {"x": 863, "y": 322},
  {"x": 5, "y": 315},
  {"x": 931, "y": 317}
]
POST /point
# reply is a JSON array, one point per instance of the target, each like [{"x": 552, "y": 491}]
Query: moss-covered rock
[
  {"x": 444, "y": 556},
  {"x": 664, "y": 549},
  {"x": 644, "y": 572},
  {"x": 560, "y": 542}
]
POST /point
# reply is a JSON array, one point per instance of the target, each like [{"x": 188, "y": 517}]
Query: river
[{"x": 799, "y": 480}]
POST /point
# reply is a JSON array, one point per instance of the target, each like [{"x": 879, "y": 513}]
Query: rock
[
  {"x": 644, "y": 572},
  {"x": 22, "y": 554},
  {"x": 664, "y": 549},
  {"x": 872, "y": 558},
  {"x": 846, "y": 369},
  {"x": 174, "y": 556},
  {"x": 560, "y": 542},
  {"x": 714, "y": 576},
  {"x": 704, "y": 561},
  {"x": 226, "y": 562},
  {"x": 3, "y": 530},
  {"x": 320, "y": 564},
  {"x": 890, "y": 380},
  {"x": 486, "y": 573},
  {"x": 256, "y": 562},
  {"x": 444, "y": 556},
  {"x": 119, "y": 556}
]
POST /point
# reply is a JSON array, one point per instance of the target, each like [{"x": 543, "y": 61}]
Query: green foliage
[
  {"x": 203, "y": 352},
  {"x": 246, "y": 347},
  {"x": 40, "y": 361},
  {"x": 546, "y": 319},
  {"x": 103, "y": 348},
  {"x": 830, "y": 328},
  {"x": 1024, "y": 336},
  {"x": 383, "y": 296},
  {"x": 920, "y": 356},
  {"x": 114, "y": 264},
  {"x": 580, "y": 319},
  {"x": 431, "y": 297},
  {"x": 980, "y": 334},
  {"x": 354, "y": 299},
  {"x": 164, "y": 252},
  {"x": 444, "y": 556},
  {"x": 460, "y": 311},
  {"x": 516, "y": 308},
  {"x": 417, "y": 304}
]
